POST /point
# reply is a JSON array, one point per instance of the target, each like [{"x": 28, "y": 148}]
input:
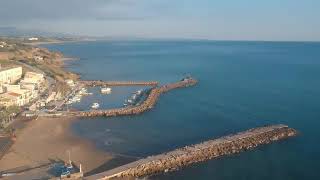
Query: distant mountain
[{"x": 13, "y": 31}]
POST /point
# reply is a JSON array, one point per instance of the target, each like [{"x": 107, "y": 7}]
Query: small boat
[
  {"x": 83, "y": 91},
  {"x": 76, "y": 99},
  {"x": 125, "y": 104},
  {"x": 139, "y": 92},
  {"x": 65, "y": 173},
  {"x": 130, "y": 101},
  {"x": 134, "y": 96},
  {"x": 106, "y": 90},
  {"x": 69, "y": 102},
  {"x": 95, "y": 106},
  {"x": 69, "y": 166}
]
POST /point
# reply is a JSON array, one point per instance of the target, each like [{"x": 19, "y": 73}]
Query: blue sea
[{"x": 241, "y": 85}]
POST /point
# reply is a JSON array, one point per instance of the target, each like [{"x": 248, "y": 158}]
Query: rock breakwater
[
  {"x": 119, "y": 83},
  {"x": 185, "y": 156}
]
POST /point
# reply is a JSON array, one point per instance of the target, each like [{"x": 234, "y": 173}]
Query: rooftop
[
  {"x": 8, "y": 67},
  {"x": 14, "y": 94}
]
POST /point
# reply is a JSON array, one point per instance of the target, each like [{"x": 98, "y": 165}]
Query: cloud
[
  {"x": 167, "y": 18},
  {"x": 24, "y": 10}
]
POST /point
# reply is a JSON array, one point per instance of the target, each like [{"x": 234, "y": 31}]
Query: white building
[
  {"x": 14, "y": 95},
  {"x": 33, "y": 39},
  {"x": 11, "y": 87},
  {"x": 32, "y": 77},
  {"x": 10, "y": 75},
  {"x": 25, "y": 96},
  {"x": 3, "y": 44}
]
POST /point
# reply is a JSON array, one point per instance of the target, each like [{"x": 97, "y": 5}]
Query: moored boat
[
  {"x": 95, "y": 106},
  {"x": 105, "y": 90}
]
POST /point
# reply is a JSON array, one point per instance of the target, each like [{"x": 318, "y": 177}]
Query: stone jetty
[
  {"x": 211, "y": 149},
  {"x": 118, "y": 83},
  {"x": 144, "y": 106}
]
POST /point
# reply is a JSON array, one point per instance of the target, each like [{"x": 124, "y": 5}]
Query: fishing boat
[
  {"x": 95, "y": 106},
  {"x": 106, "y": 90}
]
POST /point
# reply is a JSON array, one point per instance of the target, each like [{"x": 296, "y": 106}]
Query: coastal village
[
  {"x": 25, "y": 87},
  {"x": 32, "y": 83},
  {"x": 17, "y": 90}
]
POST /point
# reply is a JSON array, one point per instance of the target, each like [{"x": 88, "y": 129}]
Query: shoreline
[{"x": 47, "y": 139}]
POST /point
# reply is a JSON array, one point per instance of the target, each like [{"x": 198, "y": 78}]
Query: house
[
  {"x": 10, "y": 75},
  {"x": 70, "y": 82},
  {"x": 38, "y": 58},
  {"x": 32, "y": 77},
  {"x": 11, "y": 87},
  {"x": 3, "y": 44},
  {"x": 33, "y": 88},
  {"x": 11, "y": 99},
  {"x": 25, "y": 96},
  {"x": 33, "y": 39}
]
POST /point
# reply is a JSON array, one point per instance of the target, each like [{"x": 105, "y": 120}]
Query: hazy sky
[{"x": 209, "y": 19}]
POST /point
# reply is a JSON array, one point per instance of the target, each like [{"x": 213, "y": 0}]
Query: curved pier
[
  {"x": 185, "y": 156},
  {"x": 146, "y": 105}
]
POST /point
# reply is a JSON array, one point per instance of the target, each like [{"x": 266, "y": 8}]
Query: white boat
[
  {"x": 69, "y": 102},
  {"x": 134, "y": 97},
  {"x": 76, "y": 99},
  {"x": 139, "y": 92},
  {"x": 65, "y": 174},
  {"x": 95, "y": 106},
  {"x": 106, "y": 90}
]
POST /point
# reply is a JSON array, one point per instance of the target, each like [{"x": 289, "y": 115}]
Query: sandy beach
[{"x": 48, "y": 139}]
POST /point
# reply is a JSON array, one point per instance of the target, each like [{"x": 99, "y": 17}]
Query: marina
[{"x": 147, "y": 104}]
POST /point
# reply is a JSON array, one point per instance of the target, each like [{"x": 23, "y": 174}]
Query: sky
[{"x": 280, "y": 20}]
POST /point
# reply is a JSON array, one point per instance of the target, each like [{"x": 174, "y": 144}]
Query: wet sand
[{"x": 48, "y": 139}]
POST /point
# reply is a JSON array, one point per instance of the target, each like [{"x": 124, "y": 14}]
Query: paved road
[{"x": 51, "y": 81}]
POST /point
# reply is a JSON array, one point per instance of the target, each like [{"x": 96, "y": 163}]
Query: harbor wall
[
  {"x": 118, "y": 83},
  {"x": 185, "y": 156}
]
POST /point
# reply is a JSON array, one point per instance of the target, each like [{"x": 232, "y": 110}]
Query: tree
[
  {"x": 6, "y": 114},
  {"x": 13, "y": 109}
]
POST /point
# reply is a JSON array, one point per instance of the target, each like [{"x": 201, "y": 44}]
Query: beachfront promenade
[
  {"x": 132, "y": 110},
  {"x": 211, "y": 149}
]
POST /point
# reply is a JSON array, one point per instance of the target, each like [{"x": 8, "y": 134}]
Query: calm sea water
[{"x": 241, "y": 85}]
